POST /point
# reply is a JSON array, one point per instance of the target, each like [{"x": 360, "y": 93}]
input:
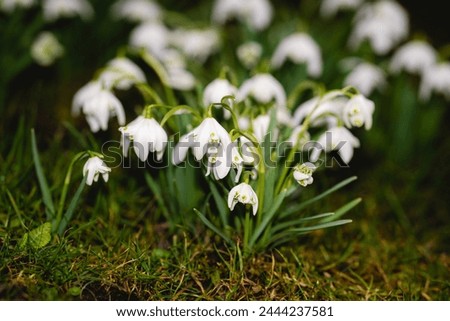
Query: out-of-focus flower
[
  {"x": 147, "y": 135},
  {"x": 55, "y": 9},
  {"x": 93, "y": 167},
  {"x": 299, "y": 48},
  {"x": 383, "y": 23},
  {"x": 10, "y": 5},
  {"x": 336, "y": 138},
  {"x": 358, "y": 111},
  {"x": 436, "y": 78},
  {"x": 46, "y": 49},
  {"x": 303, "y": 173},
  {"x": 243, "y": 193},
  {"x": 414, "y": 57},
  {"x": 264, "y": 88},
  {"x": 366, "y": 77},
  {"x": 180, "y": 79},
  {"x": 299, "y": 137},
  {"x": 136, "y": 10},
  {"x": 216, "y": 90},
  {"x": 196, "y": 44},
  {"x": 152, "y": 36},
  {"x": 98, "y": 105},
  {"x": 257, "y": 14},
  {"x": 121, "y": 73},
  {"x": 249, "y": 54},
  {"x": 330, "y": 8}
]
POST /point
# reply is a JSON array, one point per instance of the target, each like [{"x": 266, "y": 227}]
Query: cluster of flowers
[{"x": 226, "y": 145}]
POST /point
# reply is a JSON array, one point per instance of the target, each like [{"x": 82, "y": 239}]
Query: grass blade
[
  {"x": 45, "y": 190},
  {"x": 213, "y": 227}
]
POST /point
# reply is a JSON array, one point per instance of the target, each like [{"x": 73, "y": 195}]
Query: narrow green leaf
[
  {"x": 319, "y": 226},
  {"x": 213, "y": 227},
  {"x": 341, "y": 211},
  {"x": 45, "y": 190},
  {"x": 220, "y": 203},
  {"x": 291, "y": 223},
  {"x": 304, "y": 204},
  {"x": 71, "y": 209},
  {"x": 157, "y": 192},
  {"x": 37, "y": 238}
]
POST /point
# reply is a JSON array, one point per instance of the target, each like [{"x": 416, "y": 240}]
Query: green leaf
[
  {"x": 37, "y": 238},
  {"x": 341, "y": 211},
  {"x": 213, "y": 227},
  {"x": 304, "y": 204},
  {"x": 70, "y": 210},
  {"x": 319, "y": 226},
  {"x": 220, "y": 203},
  {"x": 45, "y": 190},
  {"x": 157, "y": 192},
  {"x": 288, "y": 224}
]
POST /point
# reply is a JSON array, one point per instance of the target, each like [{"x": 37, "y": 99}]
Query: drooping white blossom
[
  {"x": 181, "y": 79},
  {"x": 414, "y": 57},
  {"x": 358, "y": 111},
  {"x": 147, "y": 136},
  {"x": 249, "y": 54},
  {"x": 93, "y": 168},
  {"x": 152, "y": 36},
  {"x": 136, "y": 10},
  {"x": 336, "y": 138},
  {"x": 46, "y": 49},
  {"x": 257, "y": 14},
  {"x": 303, "y": 173},
  {"x": 121, "y": 73},
  {"x": 384, "y": 24},
  {"x": 300, "y": 48},
  {"x": 263, "y": 88},
  {"x": 366, "y": 77},
  {"x": 243, "y": 193},
  {"x": 216, "y": 90},
  {"x": 299, "y": 137},
  {"x": 330, "y": 8},
  {"x": 10, "y": 5},
  {"x": 196, "y": 44},
  {"x": 56, "y": 9},
  {"x": 436, "y": 79}
]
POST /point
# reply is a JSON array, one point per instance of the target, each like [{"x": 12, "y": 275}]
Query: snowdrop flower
[
  {"x": 297, "y": 140},
  {"x": 216, "y": 90},
  {"x": 383, "y": 23},
  {"x": 46, "y": 49},
  {"x": 243, "y": 122},
  {"x": 180, "y": 79},
  {"x": 300, "y": 48},
  {"x": 436, "y": 78},
  {"x": 93, "y": 167},
  {"x": 98, "y": 104},
  {"x": 366, "y": 77},
  {"x": 196, "y": 44},
  {"x": 303, "y": 173},
  {"x": 151, "y": 36},
  {"x": 257, "y": 14},
  {"x": 261, "y": 127},
  {"x": 264, "y": 88},
  {"x": 414, "y": 57},
  {"x": 147, "y": 135},
  {"x": 243, "y": 193},
  {"x": 330, "y": 8},
  {"x": 121, "y": 73},
  {"x": 136, "y": 10},
  {"x": 249, "y": 54},
  {"x": 10, "y": 5},
  {"x": 55, "y": 9},
  {"x": 209, "y": 137},
  {"x": 358, "y": 111},
  {"x": 336, "y": 138}
]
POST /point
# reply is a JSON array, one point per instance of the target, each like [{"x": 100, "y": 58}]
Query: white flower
[
  {"x": 216, "y": 90},
  {"x": 249, "y": 54},
  {"x": 180, "y": 79},
  {"x": 366, "y": 77},
  {"x": 358, "y": 111},
  {"x": 10, "y": 5},
  {"x": 337, "y": 138},
  {"x": 209, "y": 137},
  {"x": 261, "y": 127},
  {"x": 383, "y": 23},
  {"x": 257, "y": 14},
  {"x": 46, "y": 49},
  {"x": 300, "y": 48},
  {"x": 196, "y": 44},
  {"x": 264, "y": 88},
  {"x": 243, "y": 193},
  {"x": 303, "y": 173},
  {"x": 329, "y": 8},
  {"x": 55, "y": 9},
  {"x": 297, "y": 140},
  {"x": 121, "y": 73},
  {"x": 98, "y": 104},
  {"x": 147, "y": 135},
  {"x": 93, "y": 167},
  {"x": 136, "y": 10},
  {"x": 151, "y": 36},
  {"x": 436, "y": 78},
  {"x": 414, "y": 57}
]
